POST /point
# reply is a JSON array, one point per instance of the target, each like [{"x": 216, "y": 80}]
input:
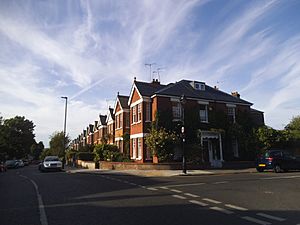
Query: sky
[{"x": 91, "y": 50}]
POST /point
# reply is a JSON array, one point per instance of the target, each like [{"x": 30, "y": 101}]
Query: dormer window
[{"x": 198, "y": 85}]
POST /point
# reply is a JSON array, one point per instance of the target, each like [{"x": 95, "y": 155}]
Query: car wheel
[
  {"x": 260, "y": 170},
  {"x": 277, "y": 168}
]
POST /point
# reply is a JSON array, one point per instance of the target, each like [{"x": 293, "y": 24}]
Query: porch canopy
[{"x": 205, "y": 134}]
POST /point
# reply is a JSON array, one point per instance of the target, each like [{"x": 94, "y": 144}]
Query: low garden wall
[
  {"x": 86, "y": 164},
  {"x": 145, "y": 166}
]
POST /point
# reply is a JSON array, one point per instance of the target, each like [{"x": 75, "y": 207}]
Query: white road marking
[
  {"x": 221, "y": 182},
  {"x": 282, "y": 177},
  {"x": 164, "y": 188},
  {"x": 236, "y": 207},
  {"x": 271, "y": 217},
  {"x": 141, "y": 186},
  {"x": 152, "y": 189},
  {"x": 222, "y": 210},
  {"x": 178, "y": 196},
  {"x": 43, "y": 217},
  {"x": 182, "y": 185},
  {"x": 198, "y": 203},
  {"x": 176, "y": 191},
  {"x": 191, "y": 195},
  {"x": 133, "y": 184},
  {"x": 211, "y": 200},
  {"x": 251, "y": 219}
]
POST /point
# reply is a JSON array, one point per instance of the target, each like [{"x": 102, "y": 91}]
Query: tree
[
  {"x": 36, "y": 150},
  {"x": 161, "y": 143},
  {"x": 16, "y": 136},
  {"x": 57, "y": 143},
  {"x": 294, "y": 128}
]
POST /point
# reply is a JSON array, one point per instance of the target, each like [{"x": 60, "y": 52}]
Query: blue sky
[{"x": 90, "y": 50}]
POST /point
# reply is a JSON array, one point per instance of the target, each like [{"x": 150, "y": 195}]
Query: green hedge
[{"x": 85, "y": 156}]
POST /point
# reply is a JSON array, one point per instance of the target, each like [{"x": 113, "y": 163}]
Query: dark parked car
[
  {"x": 277, "y": 160},
  {"x": 11, "y": 164}
]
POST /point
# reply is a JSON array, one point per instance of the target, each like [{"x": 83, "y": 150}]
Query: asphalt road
[{"x": 30, "y": 197}]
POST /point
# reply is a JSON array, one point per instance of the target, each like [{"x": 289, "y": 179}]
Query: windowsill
[
  {"x": 147, "y": 121},
  {"x": 136, "y": 123},
  {"x": 119, "y": 128},
  {"x": 176, "y": 120},
  {"x": 204, "y": 122}
]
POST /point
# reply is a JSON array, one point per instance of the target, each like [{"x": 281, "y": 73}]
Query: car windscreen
[
  {"x": 51, "y": 159},
  {"x": 272, "y": 154}
]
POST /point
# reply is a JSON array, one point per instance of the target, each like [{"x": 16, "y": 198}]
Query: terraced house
[
  {"x": 122, "y": 123},
  {"x": 212, "y": 119}
]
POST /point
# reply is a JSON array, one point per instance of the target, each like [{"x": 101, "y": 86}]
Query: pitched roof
[
  {"x": 183, "y": 87},
  {"x": 123, "y": 101},
  {"x": 148, "y": 89},
  {"x": 102, "y": 120}
]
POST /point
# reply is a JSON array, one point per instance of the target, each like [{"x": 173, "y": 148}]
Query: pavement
[{"x": 161, "y": 173}]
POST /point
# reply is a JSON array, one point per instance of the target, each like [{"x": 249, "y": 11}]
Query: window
[
  {"x": 134, "y": 117},
  {"x": 176, "y": 110},
  {"x": 235, "y": 148},
  {"x": 117, "y": 121},
  {"x": 134, "y": 148},
  {"x": 231, "y": 114},
  {"x": 139, "y": 112},
  {"x": 203, "y": 113},
  {"x": 148, "y": 112},
  {"x": 120, "y": 120},
  {"x": 139, "y": 148}
]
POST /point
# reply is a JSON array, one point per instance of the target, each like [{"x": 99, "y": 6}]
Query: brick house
[
  {"x": 148, "y": 99},
  {"x": 140, "y": 118},
  {"x": 100, "y": 133},
  {"x": 110, "y": 121},
  {"x": 122, "y": 123},
  {"x": 90, "y": 134}
]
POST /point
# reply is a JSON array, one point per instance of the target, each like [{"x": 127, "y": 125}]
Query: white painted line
[
  {"x": 133, "y": 184},
  {"x": 222, "y": 210},
  {"x": 164, "y": 188},
  {"x": 178, "y": 196},
  {"x": 282, "y": 177},
  {"x": 198, "y": 203},
  {"x": 152, "y": 189},
  {"x": 141, "y": 186},
  {"x": 43, "y": 217},
  {"x": 211, "y": 200},
  {"x": 177, "y": 191},
  {"x": 271, "y": 217},
  {"x": 236, "y": 207},
  {"x": 221, "y": 182},
  {"x": 191, "y": 195},
  {"x": 251, "y": 219},
  {"x": 182, "y": 185}
]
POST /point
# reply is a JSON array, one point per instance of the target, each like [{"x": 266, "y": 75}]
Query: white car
[{"x": 51, "y": 163}]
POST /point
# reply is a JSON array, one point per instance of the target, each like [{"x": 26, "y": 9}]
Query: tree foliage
[
  {"x": 161, "y": 143},
  {"x": 57, "y": 143},
  {"x": 16, "y": 136},
  {"x": 294, "y": 128}
]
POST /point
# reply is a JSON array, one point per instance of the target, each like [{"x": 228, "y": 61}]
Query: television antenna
[{"x": 150, "y": 65}]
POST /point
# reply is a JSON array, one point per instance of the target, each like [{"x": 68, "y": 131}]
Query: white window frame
[
  {"x": 139, "y": 148},
  {"x": 134, "y": 148},
  {"x": 205, "y": 114},
  {"x": 148, "y": 112},
  {"x": 176, "y": 110},
  {"x": 231, "y": 112},
  {"x": 139, "y": 112}
]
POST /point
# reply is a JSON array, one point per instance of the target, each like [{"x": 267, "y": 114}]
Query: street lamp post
[
  {"x": 65, "y": 125},
  {"x": 182, "y": 102}
]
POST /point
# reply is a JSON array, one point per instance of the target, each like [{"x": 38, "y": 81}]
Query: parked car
[
  {"x": 50, "y": 163},
  {"x": 20, "y": 163},
  {"x": 11, "y": 164},
  {"x": 277, "y": 160},
  {"x": 26, "y": 162},
  {"x": 2, "y": 167}
]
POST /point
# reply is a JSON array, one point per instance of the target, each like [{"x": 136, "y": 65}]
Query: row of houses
[{"x": 130, "y": 119}]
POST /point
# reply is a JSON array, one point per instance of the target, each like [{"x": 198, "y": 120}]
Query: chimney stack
[{"x": 235, "y": 94}]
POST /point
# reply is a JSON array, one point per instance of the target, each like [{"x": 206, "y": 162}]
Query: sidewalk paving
[{"x": 161, "y": 173}]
